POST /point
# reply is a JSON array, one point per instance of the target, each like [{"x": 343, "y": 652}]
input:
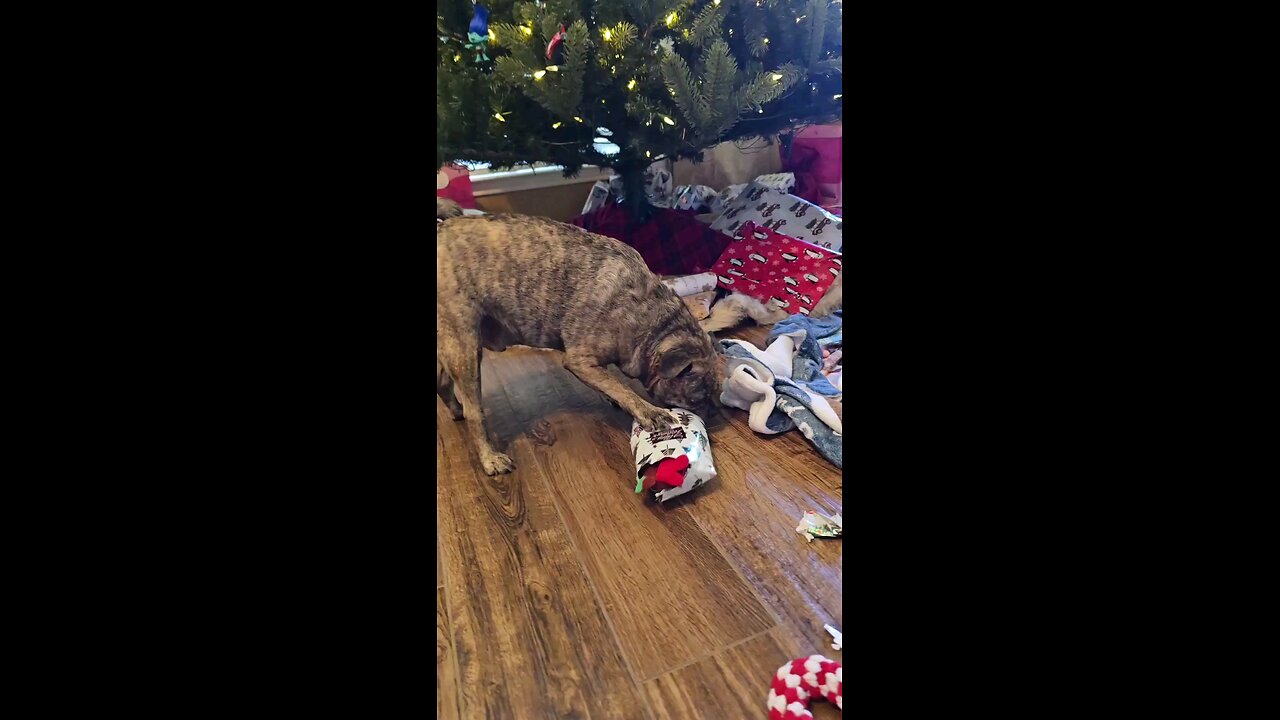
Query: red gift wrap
[{"x": 777, "y": 270}]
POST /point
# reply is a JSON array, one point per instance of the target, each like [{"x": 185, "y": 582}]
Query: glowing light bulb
[
  {"x": 766, "y": 41},
  {"x": 837, "y": 97},
  {"x": 646, "y": 152},
  {"x": 575, "y": 117},
  {"x": 777, "y": 77},
  {"x": 671, "y": 19},
  {"x": 556, "y": 124},
  {"x": 717, "y": 2},
  {"x": 608, "y": 34},
  {"x": 668, "y": 120},
  {"x": 492, "y": 37},
  {"x": 499, "y": 116},
  {"x": 631, "y": 85},
  {"x": 538, "y": 75},
  {"x": 457, "y": 57},
  {"x": 526, "y": 30},
  {"x": 553, "y": 68}
]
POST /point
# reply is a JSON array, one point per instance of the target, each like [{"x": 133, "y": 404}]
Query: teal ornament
[
  {"x": 478, "y": 43},
  {"x": 478, "y": 33}
]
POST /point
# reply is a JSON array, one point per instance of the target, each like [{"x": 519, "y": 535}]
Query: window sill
[{"x": 498, "y": 183}]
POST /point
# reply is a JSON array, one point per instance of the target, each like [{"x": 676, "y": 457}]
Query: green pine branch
[
  {"x": 709, "y": 22},
  {"x": 680, "y": 82}
]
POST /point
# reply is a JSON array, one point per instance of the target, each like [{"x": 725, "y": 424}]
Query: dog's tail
[
  {"x": 830, "y": 302},
  {"x": 735, "y": 308},
  {"x": 447, "y": 208}
]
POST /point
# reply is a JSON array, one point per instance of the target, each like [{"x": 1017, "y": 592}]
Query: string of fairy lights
[{"x": 671, "y": 20}]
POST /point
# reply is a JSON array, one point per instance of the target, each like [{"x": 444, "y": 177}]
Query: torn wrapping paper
[
  {"x": 835, "y": 635},
  {"x": 814, "y": 524},
  {"x": 700, "y": 304},
  {"x": 783, "y": 213},
  {"x": 691, "y": 284},
  {"x": 672, "y": 461}
]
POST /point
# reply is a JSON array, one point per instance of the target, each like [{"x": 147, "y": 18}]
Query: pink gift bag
[
  {"x": 453, "y": 182},
  {"x": 827, "y": 143}
]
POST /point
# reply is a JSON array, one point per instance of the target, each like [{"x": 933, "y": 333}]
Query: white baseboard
[{"x": 498, "y": 183}]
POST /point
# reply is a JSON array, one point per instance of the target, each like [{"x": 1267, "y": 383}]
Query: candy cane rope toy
[{"x": 798, "y": 681}]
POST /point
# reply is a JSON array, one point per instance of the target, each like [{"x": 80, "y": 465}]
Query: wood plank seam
[
  {"x": 534, "y": 454},
  {"x": 777, "y": 619},
  {"x": 595, "y": 592},
  {"x": 453, "y": 642},
  {"x": 712, "y": 654}
]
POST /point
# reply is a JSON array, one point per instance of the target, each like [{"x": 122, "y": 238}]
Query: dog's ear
[{"x": 674, "y": 361}]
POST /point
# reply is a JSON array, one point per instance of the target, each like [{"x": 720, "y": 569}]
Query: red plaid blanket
[{"x": 671, "y": 242}]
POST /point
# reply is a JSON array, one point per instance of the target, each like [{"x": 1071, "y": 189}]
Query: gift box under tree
[{"x": 782, "y": 213}]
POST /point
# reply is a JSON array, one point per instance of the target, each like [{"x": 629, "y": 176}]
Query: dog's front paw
[
  {"x": 654, "y": 419},
  {"x": 497, "y": 463}
]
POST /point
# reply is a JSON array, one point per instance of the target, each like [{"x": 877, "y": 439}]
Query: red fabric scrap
[{"x": 671, "y": 471}]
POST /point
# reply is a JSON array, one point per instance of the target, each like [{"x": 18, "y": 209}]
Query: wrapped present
[
  {"x": 598, "y": 196},
  {"x": 672, "y": 461},
  {"x": 453, "y": 182},
  {"x": 782, "y": 182},
  {"x": 658, "y": 184},
  {"x": 781, "y": 213},
  {"x": 657, "y": 189},
  {"x": 777, "y": 270},
  {"x": 726, "y": 196},
  {"x": 693, "y": 197}
]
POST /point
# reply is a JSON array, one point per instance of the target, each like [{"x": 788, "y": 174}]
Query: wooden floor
[{"x": 560, "y": 594}]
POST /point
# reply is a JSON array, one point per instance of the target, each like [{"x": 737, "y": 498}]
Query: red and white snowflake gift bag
[{"x": 778, "y": 270}]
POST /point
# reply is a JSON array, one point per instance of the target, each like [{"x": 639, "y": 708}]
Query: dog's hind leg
[
  {"x": 444, "y": 388},
  {"x": 459, "y": 354}
]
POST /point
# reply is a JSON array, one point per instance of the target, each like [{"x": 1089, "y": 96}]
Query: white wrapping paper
[
  {"x": 783, "y": 213},
  {"x": 686, "y": 285},
  {"x": 686, "y": 435}
]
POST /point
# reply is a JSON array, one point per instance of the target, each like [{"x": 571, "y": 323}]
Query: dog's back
[{"x": 545, "y": 281}]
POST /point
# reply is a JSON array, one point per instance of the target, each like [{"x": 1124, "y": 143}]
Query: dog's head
[{"x": 686, "y": 373}]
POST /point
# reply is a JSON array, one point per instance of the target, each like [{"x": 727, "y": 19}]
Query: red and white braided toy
[{"x": 801, "y": 679}]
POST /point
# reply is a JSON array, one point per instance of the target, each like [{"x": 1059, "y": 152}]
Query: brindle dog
[{"x": 506, "y": 280}]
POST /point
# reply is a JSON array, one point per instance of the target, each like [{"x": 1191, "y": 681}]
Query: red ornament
[{"x": 555, "y": 48}]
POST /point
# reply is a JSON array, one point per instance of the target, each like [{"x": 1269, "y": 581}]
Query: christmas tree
[{"x": 622, "y": 83}]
